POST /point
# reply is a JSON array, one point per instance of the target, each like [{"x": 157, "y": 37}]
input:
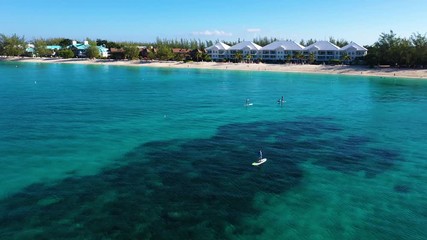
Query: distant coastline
[{"x": 296, "y": 68}]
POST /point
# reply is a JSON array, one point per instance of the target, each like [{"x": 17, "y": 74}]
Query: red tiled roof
[
  {"x": 117, "y": 50},
  {"x": 180, "y": 50}
]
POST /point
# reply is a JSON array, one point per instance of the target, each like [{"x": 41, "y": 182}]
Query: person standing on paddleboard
[{"x": 260, "y": 154}]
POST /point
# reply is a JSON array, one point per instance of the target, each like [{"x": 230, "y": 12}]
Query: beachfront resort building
[
  {"x": 279, "y": 51},
  {"x": 247, "y": 50},
  {"x": 79, "y": 49},
  {"x": 323, "y": 51},
  {"x": 218, "y": 51},
  {"x": 354, "y": 50},
  {"x": 30, "y": 50}
]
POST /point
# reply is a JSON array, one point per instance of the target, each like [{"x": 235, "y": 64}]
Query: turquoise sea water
[{"x": 105, "y": 152}]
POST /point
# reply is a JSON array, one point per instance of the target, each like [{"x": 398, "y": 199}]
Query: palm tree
[
  {"x": 346, "y": 58},
  {"x": 238, "y": 56},
  {"x": 311, "y": 58},
  {"x": 288, "y": 58},
  {"x": 300, "y": 56},
  {"x": 248, "y": 57},
  {"x": 199, "y": 55}
]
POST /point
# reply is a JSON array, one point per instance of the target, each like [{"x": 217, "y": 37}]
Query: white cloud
[
  {"x": 213, "y": 33},
  {"x": 253, "y": 30}
]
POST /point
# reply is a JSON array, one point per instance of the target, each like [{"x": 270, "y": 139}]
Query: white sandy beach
[{"x": 301, "y": 68}]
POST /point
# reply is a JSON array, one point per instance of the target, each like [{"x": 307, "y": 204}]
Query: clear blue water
[{"x": 104, "y": 152}]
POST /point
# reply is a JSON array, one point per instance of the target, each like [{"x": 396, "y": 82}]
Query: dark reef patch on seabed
[
  {"x": 400, "y": 188},
  {"x": 187, "y": 189}
]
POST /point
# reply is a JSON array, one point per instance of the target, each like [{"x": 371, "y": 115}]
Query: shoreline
[{"x": 293, "y": 68}]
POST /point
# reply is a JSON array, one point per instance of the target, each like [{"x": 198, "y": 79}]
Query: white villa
[
  {"x": 218, "y": 51},
  {"x": 354, "y": 50},
  {"x": 280, "y": 50},
  {"x": 246, "y": 48},
  {"x": 323, "y": 51}
]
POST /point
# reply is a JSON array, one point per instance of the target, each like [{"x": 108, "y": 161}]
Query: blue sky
[{"x": 131, "y": 20}]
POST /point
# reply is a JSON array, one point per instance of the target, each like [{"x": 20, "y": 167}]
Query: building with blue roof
[
  {"x": 103, "y": 51},
  {"x": 30, "y": 50},
  {"x": 79, "y": 49},
  {"x": 53, "y": 47}
]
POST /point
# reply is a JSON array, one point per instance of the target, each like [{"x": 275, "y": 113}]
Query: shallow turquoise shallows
[{"x": 107, "y": 152}]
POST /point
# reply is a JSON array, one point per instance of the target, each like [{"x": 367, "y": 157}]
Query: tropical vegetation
[
  {"x": 397, "y": 51},
  {"x": 12, "y": 46},
  {"x": 92, "y": 52},
  {"x": 389, "y": 49}
]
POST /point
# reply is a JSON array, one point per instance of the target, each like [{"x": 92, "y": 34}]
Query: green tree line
[
  {"x": 397, "y": 51},
  {"x": 388, "y": 50},
  {"x": 9, "y": 45},
  {"x": 12, "y": 46}
]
